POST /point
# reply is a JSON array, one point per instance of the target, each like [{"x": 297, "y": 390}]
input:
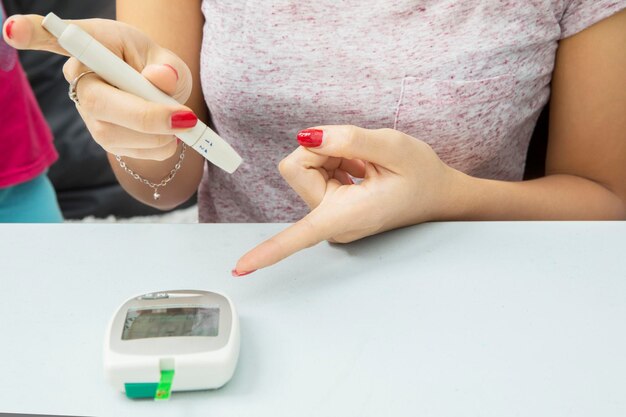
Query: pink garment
[
  {"x": 468, "y": 77},
  {"x": 26, "y": 148}
]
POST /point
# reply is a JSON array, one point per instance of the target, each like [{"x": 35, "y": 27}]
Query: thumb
[{"x": 384, "y": 147}]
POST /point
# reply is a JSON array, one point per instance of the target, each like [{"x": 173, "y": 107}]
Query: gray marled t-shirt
[{"x": 467, "y": 77}]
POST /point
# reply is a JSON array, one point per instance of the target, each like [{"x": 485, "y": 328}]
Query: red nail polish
[
  {"x": 178, "y": 141},
  {"x": 173, "y": 69},
  {"x": 9, "y": 26},
  {"x": 310, "y": 138},
  {"x": 183, "y": 119},
  {"x": 236, "y": 273}
]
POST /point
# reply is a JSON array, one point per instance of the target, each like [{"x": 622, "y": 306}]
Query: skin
[{"x": 586, "y": 160}]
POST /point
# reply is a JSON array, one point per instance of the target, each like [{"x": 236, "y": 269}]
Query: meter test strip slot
[
  {"x": 118, "y": 73},
  {"x": 179, "y": 340}
]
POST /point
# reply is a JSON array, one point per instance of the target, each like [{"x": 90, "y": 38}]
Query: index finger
[{"x": 307, "y": 232}]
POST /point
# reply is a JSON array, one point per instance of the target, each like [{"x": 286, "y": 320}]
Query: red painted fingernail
[
  {"x": 8, "y": 29},
  {"x": 183, "y": 119},
  {"x": 236, "y": 273},
  {"x": 310, "y": 137},
  {"x": 173, "y": 69},
  {"x": 178, "y": 141}
]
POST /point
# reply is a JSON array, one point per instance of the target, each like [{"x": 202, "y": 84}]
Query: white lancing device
[{"x": 118, "y": 73}]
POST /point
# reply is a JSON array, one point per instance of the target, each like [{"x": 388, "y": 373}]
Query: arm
[
  {"x": 178, "y": 29},
  {"x": 586, "y": 160},
  {"x": 586, "y": 164}
]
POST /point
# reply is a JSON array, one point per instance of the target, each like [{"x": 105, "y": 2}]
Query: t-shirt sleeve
[{"x": 580, "y": 14}]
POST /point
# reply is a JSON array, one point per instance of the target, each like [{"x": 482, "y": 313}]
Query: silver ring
[{"x": 72, "y": 92}]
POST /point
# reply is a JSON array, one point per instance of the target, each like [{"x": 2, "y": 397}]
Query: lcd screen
[{"x": 143, "y": 323}]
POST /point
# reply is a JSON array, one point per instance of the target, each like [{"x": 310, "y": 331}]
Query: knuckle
[
  {"x": 392, "y": 137},
  {"x": 351, "y": 135},
  {"x": 149, "y": 119},
  {"x": 351, "y": 141},
  {"x": 100, "y": 133},
  {"x": 89, "y": 99},
  {"x": 392, "y": 134},
  {"x": 72, "y": 68},
  {"x": 68, "y": 70},
  {"x": 145, "y": 120},
  {"x": 283, "y": 167},
  {"x": 287, "y": 167},
  {"x": 386, "y": 131}
]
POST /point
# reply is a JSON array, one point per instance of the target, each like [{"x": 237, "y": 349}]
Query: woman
[{"x": 455, "y": 86}]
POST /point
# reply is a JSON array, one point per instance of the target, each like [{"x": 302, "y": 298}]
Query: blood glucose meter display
[{"x": 143, "y": 323}]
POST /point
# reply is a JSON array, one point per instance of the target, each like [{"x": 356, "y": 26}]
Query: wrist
[{"x": 460, "y": 192}]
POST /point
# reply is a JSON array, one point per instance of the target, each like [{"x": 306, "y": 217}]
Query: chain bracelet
[{"x": 155, "y": 186}]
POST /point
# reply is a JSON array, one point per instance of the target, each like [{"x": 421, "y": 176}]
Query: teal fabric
[{"x": 31, "y": 202}]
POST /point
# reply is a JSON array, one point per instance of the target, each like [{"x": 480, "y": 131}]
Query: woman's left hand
[{"x": 403, "y": 182}]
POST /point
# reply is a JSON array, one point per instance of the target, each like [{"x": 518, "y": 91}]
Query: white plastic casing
[
  {"x": 193, "y": 371},
  {"x": 118, "y": 73}
]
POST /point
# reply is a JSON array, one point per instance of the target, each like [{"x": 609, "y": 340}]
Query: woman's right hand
[{"x": 123, "y": 124}]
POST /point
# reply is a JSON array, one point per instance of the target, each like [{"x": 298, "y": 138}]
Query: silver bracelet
[{"x": 153, "y": 185}]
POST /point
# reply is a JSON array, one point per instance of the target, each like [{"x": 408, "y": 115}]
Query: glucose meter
[{"x": 178, "y": 340}]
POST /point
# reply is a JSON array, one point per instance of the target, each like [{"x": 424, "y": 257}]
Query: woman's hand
[
  {"x": 403, "y": 183},
  {"x": 120, "y": 122}
]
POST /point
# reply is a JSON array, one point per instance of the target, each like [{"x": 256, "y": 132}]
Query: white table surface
[{"x": 448, "y": 319}]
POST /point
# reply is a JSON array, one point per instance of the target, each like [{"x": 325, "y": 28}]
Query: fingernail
[
  {"x": 173, "y": 69},
  {"x": 310, "y": 137},
  {"x": 178, "y": 141},
  {"x": 183, "y": 119},
  {"x": 9, "y": 26},
  {"x": 236, "y": 273}
]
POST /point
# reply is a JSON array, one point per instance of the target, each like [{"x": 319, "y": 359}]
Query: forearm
[
  {"x": 157, "y": 18},
  {"x": 554, "y": 197}
]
